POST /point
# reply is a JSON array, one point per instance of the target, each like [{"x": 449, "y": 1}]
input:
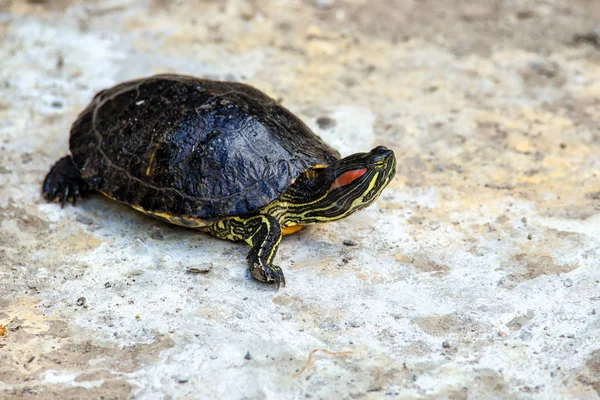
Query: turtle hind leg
[{"x": 64, "y": 182}]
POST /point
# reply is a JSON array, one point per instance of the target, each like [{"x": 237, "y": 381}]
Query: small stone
[
  {"x": 525, "y": 336},
  {"x": 84, "y": 220},
  {"x": 568, "y": 282},
  {"x": 239, "y": 316},
  {"x": 56, "y": 104},
  {"x": 325, "y": 122},
  {"x": 200, "y": 268},
  {"x": 354, "y": 324},
  {"x": 14, "y": 325},
  {"x": 349, "y": 243},
  {"x": 321, "y": 3},
  {"x": 529, "y": 236},
  {"x": 571, "y": 336},
  {"x": 107, "y": 285},
  {"x": 80, "y": 301},
  {"x": 182, "y": 380},
  {"x": 247, "y": 356},
  {"x": 434, "y": 225},
  {"x": 592, "y": 37},
  {"x": 157, "y": 233},
  {"x": 327, "y": 325},
  {"x": 446, "y": 344},
  {"x": 286, "y": 316},
  {"x": 525, "y": 14},
  {"x": 213, "y": 357}
]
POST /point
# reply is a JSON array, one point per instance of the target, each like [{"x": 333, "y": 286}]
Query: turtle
[{"x": 218, "y": 156}]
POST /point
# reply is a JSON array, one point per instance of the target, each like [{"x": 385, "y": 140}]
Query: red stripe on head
[{"x": 348, "y": 177}]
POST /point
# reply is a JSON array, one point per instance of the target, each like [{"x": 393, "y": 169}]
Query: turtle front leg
[{"x": 263, "y": 233}]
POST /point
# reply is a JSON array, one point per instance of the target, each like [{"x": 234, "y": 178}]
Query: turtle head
[{"x": 330, "y": 193}]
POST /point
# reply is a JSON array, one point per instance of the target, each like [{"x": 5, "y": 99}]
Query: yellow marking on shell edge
[
  {"x": 288, "y": 230},
  {"x": 188, "y": 222}
]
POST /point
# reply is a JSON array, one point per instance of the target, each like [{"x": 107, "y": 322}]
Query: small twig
[{"x": 334, "y": 353}]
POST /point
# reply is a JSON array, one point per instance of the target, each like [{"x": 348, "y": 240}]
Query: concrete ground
[{"x": 476, "y": 274}]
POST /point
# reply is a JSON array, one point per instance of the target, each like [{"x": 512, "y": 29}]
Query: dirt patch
[
  {"x": 41, "y": 356},
  {"x": 451, "y": 324},
  {"x": 25, "y": 221},
  {"x": 535, "y": 265},
  {"x": 470, "y": 26},
  {"x": 591, "y": 375},
  {"x": 116, "y": 389},
  {"x": 422, "y": 263}
]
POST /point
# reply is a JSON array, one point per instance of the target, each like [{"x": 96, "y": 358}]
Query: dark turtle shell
[{"x": 193, "y": 148}]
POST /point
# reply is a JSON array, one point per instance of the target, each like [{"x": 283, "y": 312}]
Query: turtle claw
[
  {"x": 268, "y": 274},
  {"x": 276, "y": 276},
  {"x": 64, "y": 183}
]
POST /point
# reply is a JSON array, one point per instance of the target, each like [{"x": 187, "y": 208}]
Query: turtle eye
[{"x": 379, "y": 164}]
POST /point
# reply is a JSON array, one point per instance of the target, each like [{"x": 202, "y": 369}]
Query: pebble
[
  {"x": 247, "y": 356},
  {"x": 525, "y": 336},
  {"x": 157, "y": 233},
  {"x": 325, "y": 122},
  {"x": 446, "y": 344},
  {"x": 434, "y": 225},
  {"x": 84, "y": 220},
  {"x": 286, "y": 316},
  {"x": 80, "y": 301},
  {"x": 14, "y": 325},
  {"x": 349, "y": 243},
  {"x": 323, "y": 3},
  {"x": 200, "y": 268},
  {"x": 568, "y": 282}
]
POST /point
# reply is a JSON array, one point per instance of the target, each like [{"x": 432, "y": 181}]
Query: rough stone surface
[{"x": 476, "y": 275}]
